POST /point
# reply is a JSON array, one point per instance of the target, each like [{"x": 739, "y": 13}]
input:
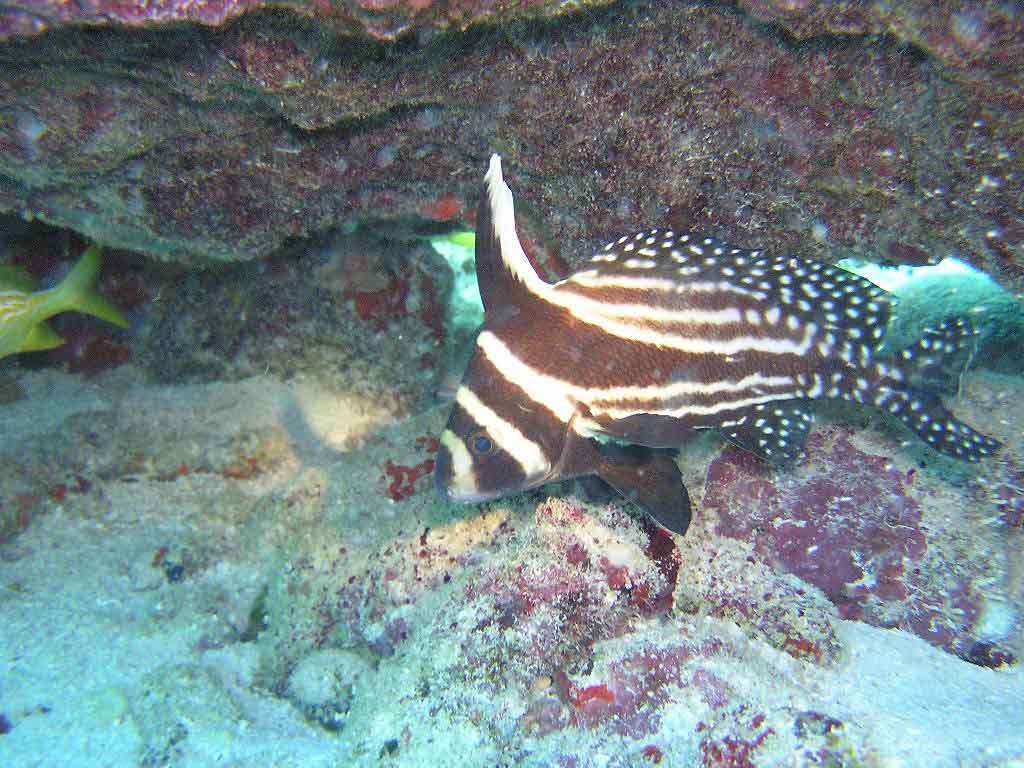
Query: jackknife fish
[
  {"x": 662, "y": 334},
  {"x": 23, "y": 311}
]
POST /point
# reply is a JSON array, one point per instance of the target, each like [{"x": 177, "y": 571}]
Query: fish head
[{"x": 492, "y": 445}]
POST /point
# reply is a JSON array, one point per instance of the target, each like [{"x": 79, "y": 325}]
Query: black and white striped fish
[{"x": 662, "y": 334}]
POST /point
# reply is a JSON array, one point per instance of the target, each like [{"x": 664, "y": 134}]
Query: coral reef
[
  {"x": 902, "y": 145},
  {"x": 234, "y": 511},
  {"x": 563, "y": 622},
  {"x": 293, "y": 603},
  {"x": 961, "y": 35},
  {"x": 376, "y": 19},
  {"x": 870, "y": 529}
]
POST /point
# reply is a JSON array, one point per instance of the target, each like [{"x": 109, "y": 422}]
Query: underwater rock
[
  {"x": 877, "y": 534},
  {"x": 171, "y": 704},
  {"x": 197, "y": 145},
  {"x": 533, "y": 631},
  {"x": 377, "y": 19},
  {"x": 721, "y": 578},
  {"x": 322, "y": 685},
  {"x": 960, "y": 34}
]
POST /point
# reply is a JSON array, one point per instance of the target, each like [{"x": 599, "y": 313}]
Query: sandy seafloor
[{"x": 112, "y": 656}]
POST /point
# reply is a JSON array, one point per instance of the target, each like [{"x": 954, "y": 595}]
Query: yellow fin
[
  {"x": 78, "y": 293},
  {"x": 39, "y": 338},
  {"x": 463, "y": 239}
]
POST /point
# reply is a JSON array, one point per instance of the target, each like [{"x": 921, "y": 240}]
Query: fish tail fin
[
  {"x": 40, "y": 338},
  {"x": 919, "y": 407},
  {"x": 77, "y": 292},
  {"x": 953, "y": 341}
]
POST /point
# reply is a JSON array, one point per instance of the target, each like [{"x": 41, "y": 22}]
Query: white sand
[{"x": 103, "y": 659}]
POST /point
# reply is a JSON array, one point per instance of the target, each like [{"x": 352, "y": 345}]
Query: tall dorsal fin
[{"x": 507, "y": 279}]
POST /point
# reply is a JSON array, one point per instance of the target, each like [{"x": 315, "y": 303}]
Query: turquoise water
[{"x": 221, "y": 537}]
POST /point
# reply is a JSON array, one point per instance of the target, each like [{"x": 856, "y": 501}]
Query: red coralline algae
[
  {"x": 649, "y": 593},
  {"x": 382, "y": 295},
  {"x": 576, "y": 554},
  {"x": 17, "y": 512},
  {"x": 590, "y": 693},
  {"x": 58, "y": 493},
  {"x": 427, "y": 443},
  {"x": 733, "y": 736},
  {"x": 652, "y": 753},
  {"x": 617, "y": 575},
  {"x": 663, "y": 552},
  {"x": 444, "y": 208},
  {"x": 380, "y": 306},
  {"x": 730, "y": 752},
  {"x": 639, "y": 685},
  {"x": 850, "y": 524},
  {"x": 592, "y": 702},
  {"x": 406, "y": 480}
]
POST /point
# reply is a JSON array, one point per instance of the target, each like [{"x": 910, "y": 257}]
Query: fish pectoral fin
[
  {"x": 41, "y": 337},
  {"x": 773, "y": 431},
  {"x": 941, "y": 356},
  {"x": 651, "y": 480}
]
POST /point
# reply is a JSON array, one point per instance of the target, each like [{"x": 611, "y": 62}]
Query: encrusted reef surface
[
  {"x": 258, "y": 572},
  {"x": 889, "y": 130}
]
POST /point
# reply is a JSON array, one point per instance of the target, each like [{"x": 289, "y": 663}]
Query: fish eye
[{"x": 480, "y": 443}]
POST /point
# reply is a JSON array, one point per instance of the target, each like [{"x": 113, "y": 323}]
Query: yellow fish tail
[
  {"x": 41, "y": 337},
  {"x": 77, "y": 292}
]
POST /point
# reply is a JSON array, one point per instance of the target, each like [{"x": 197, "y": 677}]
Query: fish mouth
[
  {"x": 467, "y": 498},
  {"x": 448, "y": 491},
  {"x": 445, "y": 486}
]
